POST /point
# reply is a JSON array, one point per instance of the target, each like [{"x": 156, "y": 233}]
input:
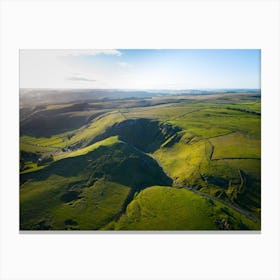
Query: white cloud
[
  {"x": 80, "y": 79},
  {"x": 89, "y": 52},
  {"x": 60, "y": 68}
]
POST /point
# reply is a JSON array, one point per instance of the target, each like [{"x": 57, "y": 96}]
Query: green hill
[
  {"x": 95, "y": 165},
  {"x": 45, "y": 121},
  {"x": 165, "y": 208},
  {"x": 145, "y": 134},
  {"x": 66, "y": 181}
]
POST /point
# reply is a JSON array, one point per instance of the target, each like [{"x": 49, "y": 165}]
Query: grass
[
  {"x": 252, "y": 106},
  {"x": 236, "y": 181},
  {"x": 144, "y": 134},
  {"x": 106, "y": 142},
  {"x": 53, "y": 141},
  {"x": 250, "y": 197},
  {"x": 236, "y": 145},
  {"x": 165, "y": 208},
  {"x": 56, "y": 119},
  {"x": 41, "y": 204},
  {"x": 211, "y": 122},
  {"x": 86, "y": 134},
  {"x": 102, "y": 161},
  {"x": 218, "y": 133},
  {"x": 32, "y": 167},
  {"x": 113, "y": 161},
  {"x": 250, "y": 166},
  {"x": 37, "y": 199},
  {"x": 159, "y": 112},
  {"x": 34, "y": 148},
  {"x": 97, "y": 205},
  {"x": 182, "y": 160},
  {"x": 105, "y": 163}
]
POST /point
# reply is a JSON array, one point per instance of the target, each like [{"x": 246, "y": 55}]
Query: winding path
[{"x": 235, "y": 207}]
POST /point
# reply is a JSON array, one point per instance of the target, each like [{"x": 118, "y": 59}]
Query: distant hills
[{"x": 48, "y": 96}]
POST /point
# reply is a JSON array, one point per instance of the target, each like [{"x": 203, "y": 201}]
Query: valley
[{"x": 155, "y": 162}]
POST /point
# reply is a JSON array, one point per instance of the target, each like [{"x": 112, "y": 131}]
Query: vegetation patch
[
  {"x": 165, "y": 208},
  {"x": 144, "y": 134},
  {"x": 237, "y": 146},
  {"x": 95, "y": 164}
]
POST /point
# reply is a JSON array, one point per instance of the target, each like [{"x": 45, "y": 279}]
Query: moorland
[{"x": 143, "y": 162}]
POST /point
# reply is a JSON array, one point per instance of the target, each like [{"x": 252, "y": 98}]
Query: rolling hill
[
  {"x": 176, "y": 163},
  {"x": 113, "y": 162}
]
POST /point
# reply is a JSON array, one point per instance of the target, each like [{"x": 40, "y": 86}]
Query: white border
[{"x": 156, "y": 24}]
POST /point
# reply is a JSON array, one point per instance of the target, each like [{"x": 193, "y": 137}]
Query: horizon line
[{"x": 135, "y": 89}]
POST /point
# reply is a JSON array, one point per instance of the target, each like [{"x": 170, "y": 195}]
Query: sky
[{"x": 174, "y": 69}]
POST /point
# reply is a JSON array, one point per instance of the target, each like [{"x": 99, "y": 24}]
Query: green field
[
  {"x": 186, "y": 162},
  {"x": 166, "y": 208}
]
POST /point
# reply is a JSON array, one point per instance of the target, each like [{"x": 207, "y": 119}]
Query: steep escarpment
[
  {"x": 120, "y": 162},
  {"x": 145, "y": 134}
]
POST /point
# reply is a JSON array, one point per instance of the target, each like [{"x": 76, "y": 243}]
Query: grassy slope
[
  {"x": 144, "y": 134},
  {"x": 55, "y": 141},
  {"x": 236, "y": 145},
  {"x": 45, "y": 121},
  {"x": 86, "y": 134},
  {"x": 211, "y": 122},
  {"x": 70, "y": 180},
  {"x": 106, "y": 142},
  {"x": 115, "y": 160},
  {"x": 42, "y": 206},
  {"x": 37, "y": 198},
  {"x": 34, "y": 148},
  {"x": 80, "y": 138},
  {"x": 182, "y": 160},
  {"x": 250, "y": 197},
  {"x": 189, "y": 160},
  {"x": 83, "y": 135},
  {"x": 96, "y": 206},
  {"x": 83, "y": 151},
  {"x": 203, "y": 123},
  {"x": 160, "y": 112},
  {"x": 165, "y": 208},
  {"x": 45, "y": 126}
]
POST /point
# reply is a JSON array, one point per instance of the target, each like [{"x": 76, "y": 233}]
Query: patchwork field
[{"x": 186, "y": 162}]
